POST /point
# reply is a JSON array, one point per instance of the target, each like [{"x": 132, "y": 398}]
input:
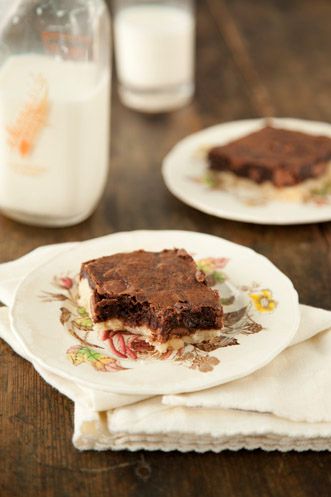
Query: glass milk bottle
[
  {"x": 54, "y": 109},
  {"x": 154, "y": 48}
]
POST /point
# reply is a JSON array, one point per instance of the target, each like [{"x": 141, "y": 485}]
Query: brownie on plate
[
  {"x": 283, "y": 157},
  {"x": 162, "y": 296}
]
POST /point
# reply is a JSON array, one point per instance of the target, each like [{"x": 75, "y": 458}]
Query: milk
[
  {"x": 154, "y": 47},
  {"x": 54, "y": 138}
]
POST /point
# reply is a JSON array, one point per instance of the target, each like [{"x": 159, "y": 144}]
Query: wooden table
[{"x": 255, "y": 58}]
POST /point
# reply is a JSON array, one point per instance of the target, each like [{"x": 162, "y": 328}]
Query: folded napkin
[
  {"x": 284, "y": 406},
  {"x": 151, "y": 425}
]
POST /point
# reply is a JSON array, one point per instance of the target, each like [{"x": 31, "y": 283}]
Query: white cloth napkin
[
  {"x": 151, "y": 425},
  {"x": 284, "y": 406}
]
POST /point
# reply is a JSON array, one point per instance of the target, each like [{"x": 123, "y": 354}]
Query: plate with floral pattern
[
  {"x": 186, "y": 175},
  {"x": 260, "y": 305}
]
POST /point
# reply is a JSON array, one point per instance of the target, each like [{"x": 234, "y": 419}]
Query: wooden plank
[
  {"x": 288, "y": 44},
  {"x": 237, "y": 46}
]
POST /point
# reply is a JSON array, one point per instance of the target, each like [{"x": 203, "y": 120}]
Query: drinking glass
[{"x": 154, "y": 49}]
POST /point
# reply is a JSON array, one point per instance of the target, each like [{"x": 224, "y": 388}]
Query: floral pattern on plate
[
  {"x": 319, "y": 194},
  {"x": 116, "y": 350}
]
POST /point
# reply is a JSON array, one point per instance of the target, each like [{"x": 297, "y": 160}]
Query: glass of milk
[
  {"x": 54, "y": 109},
  {"x": 154, "y": 48}
]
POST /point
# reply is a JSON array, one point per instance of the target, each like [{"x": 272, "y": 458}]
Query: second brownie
[{"x": 283, "y": 157}]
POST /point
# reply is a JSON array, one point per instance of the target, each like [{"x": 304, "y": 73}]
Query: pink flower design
[{"x": 64, "y": 282}]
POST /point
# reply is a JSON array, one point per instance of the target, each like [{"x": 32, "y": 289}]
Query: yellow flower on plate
[{"x": 263, "y": 301}]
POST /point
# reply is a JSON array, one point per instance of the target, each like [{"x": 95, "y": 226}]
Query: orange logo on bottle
[{"x": 24, "y": 132}]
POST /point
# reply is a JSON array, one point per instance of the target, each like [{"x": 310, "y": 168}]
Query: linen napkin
[
  {"x": 284, "y": 406},
  {"x": 151, "y": 425}
]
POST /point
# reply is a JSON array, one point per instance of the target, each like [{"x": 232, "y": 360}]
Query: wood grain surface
[{"x": 254, "y": 58}]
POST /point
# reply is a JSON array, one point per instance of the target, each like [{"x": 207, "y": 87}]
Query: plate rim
[
  {"x": 166, "y": 171},
  {"x": 293, "y": 325}
]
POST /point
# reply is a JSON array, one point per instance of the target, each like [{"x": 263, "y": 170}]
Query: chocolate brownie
[
  {"x": 281, "y": 156},
  {"x": 163, "y": 291}
]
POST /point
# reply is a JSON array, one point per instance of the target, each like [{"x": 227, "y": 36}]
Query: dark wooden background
[{"x": 254, "y": 58}]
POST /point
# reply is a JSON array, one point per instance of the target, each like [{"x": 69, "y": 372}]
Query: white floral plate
[
  {"x": 261, "y": 305},
  {"x": 185, "y": 174}
]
